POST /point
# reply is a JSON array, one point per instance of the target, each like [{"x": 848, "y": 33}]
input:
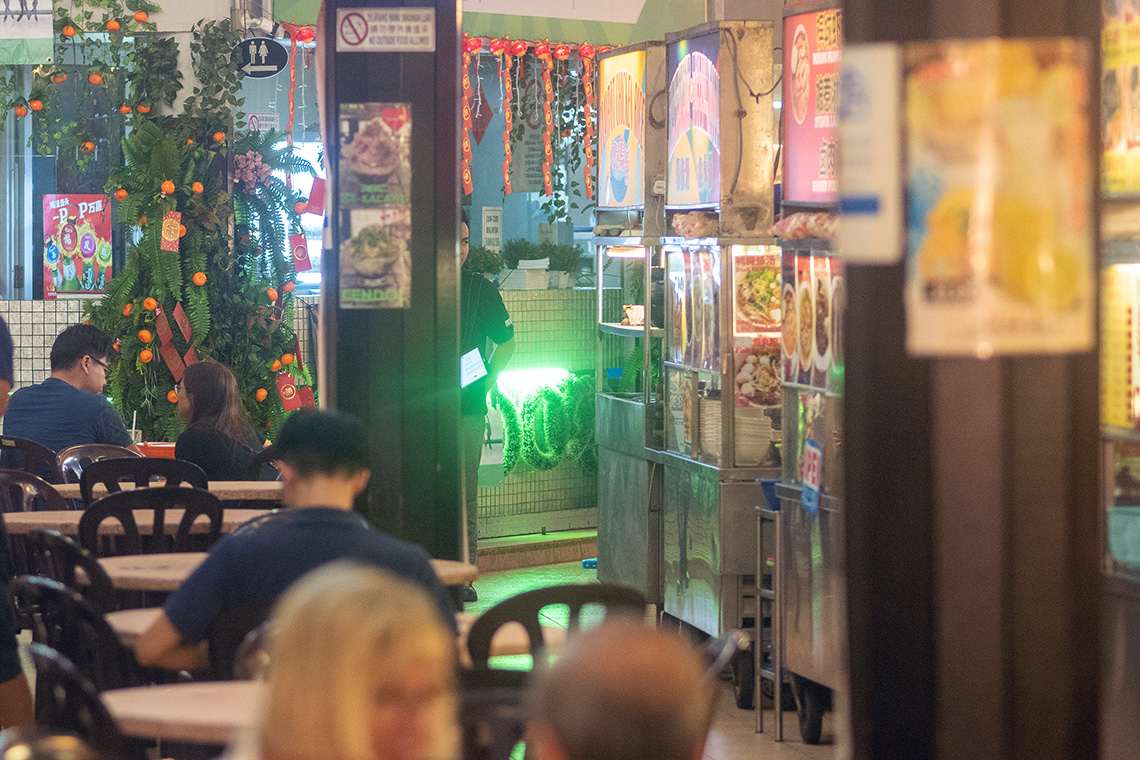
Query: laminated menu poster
[
  {"x": 374, "y": 185},
  {"x": 1120, "y": 97},
  {"x": 756, "y": 290},
  {"x": 621, "y": 129},
  {"x": 811, "y": 105},
  {"x": 693, "y": 175},
  {"x": 1000, "y": 188},
  {"x": 77, "y": 244},
  {"x": 805, "y": 320},
  {"x": 789, "y": 334},
  {"x": 678, "y": 313}
]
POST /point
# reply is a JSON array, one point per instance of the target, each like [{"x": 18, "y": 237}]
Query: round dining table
[
  {"x": 226, "y": 490},
  {"x": 66, "y": 521},
  {"x": 209, "y": 712},
  {"x": 166, "y": 572}
]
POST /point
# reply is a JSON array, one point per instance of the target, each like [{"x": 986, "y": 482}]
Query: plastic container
[{"x": 1124, "y": 534}]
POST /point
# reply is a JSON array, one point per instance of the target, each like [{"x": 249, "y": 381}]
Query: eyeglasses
[
  {"x": 106, "y": 367},
  {"x": 178, "y": 388}
]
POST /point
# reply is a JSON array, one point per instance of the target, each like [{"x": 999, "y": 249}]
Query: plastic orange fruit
[
  {"x": 140, "y": 16},
  {"x": 261, "y": 394},
  {"x": 145, "y": 336},
  {"x": 145, "y": 355},
  {"x": 68, "y": 31},
  {"x": 288, "y": 287},
  {"x": 124, "y": 109},
  {"x": 36, "y": 105},
  {"x": 127, "y": 310},
  {"x": 21, "y": 110},
  {"x": 168, "y": 187},
  {"x": 272, "y": 293},
  {"x": 88, "y": 146},
  {"x": 219, "y": 136},
  {"x": 182, "y": 230},
  {"x": 150, "y": 304},
  {"x": 112, "y": 25},
  {"x": 59, "y": 78},
  {"x": 189, "y": 141},
  {"x": 120, "y": 194},
  {"x": 95, "y": 78},
  {"x": 301, "y": 206},
  {"x": 172, "y": 397},
  {"x": 197, "y": 188},
  {"x": 275, "y": 366},
  {"x": 199, "y": 278},
  {"x": 144, "y": 109},
  {"x": 287, "y": 359},
  {"x": 142, "y": 221}
]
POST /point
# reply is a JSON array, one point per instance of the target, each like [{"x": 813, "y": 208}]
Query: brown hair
[{"x": 215, "y": 403}]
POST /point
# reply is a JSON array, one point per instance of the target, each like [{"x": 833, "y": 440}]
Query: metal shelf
[
  {"x": 630, "y": 331},
  {"x": 1120, "y": 252},
  {"x": 1117, "y": 433}
]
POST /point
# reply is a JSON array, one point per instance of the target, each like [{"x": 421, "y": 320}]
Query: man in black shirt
[{"x": 483, "y": 318}]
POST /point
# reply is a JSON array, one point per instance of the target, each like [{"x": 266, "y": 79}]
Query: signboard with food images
[
  {"x": 77, "y": 244},
  {"x": 811, "y": 105},
  {"x": 621, "y": 131},
  {"x": 789, "y": 334},
  {"x": 693, "y": 176},
  {"x": 1000, "y": 184},
  {"x": 1120, "y": 97},
  {"x": 756, "y": 289},
  {"x": 374, "y": 183}
]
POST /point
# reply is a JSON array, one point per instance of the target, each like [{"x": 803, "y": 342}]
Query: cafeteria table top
[
  {"x": 166, "y": 572},
  {"x": 227, "y": 490},
  {"x": 66, "y": 521},
  {"x": 209, "y": 712}
]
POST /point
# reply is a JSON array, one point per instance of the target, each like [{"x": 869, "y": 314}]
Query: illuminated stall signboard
[
  {"x": 694, "y": 122},
  {"x": 811, "y": 105},
  {"x": 621, "y": 131}
]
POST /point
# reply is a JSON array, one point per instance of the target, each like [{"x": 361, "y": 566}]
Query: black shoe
[{"x": 469, "y": 594}]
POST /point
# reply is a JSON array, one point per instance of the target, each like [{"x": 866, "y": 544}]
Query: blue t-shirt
[
  {"x": 56, "y": 414},
  {"x": 252, "y": 568}
]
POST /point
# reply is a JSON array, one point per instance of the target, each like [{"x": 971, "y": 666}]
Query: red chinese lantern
[
  {"x": 472, "y": 45},
  {"x": 306, "y": 34},
  {"x": 542, "y": 50},
  {"x": 498, "y": 47},
  {"x": 518, "y": 47},
  {"x": 586, "y": 51},
  {"x": 562, "y": 52}
]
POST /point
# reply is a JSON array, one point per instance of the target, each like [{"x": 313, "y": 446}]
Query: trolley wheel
[
  {"x": 812, "y": 701},
  {"x": 744, "y": 679}
]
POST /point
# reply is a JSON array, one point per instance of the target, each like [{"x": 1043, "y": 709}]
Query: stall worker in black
[{"x": 483, "y": 319}]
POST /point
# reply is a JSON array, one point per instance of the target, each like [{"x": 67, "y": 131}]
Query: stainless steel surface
[
  {"x": 620, "y": 424},
  {"x": 1120, "y": 669},
  {"x": 771, "y": 596},
  {"x": 626, "y": 555}
]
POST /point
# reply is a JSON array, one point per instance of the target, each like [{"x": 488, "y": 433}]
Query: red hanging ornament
[
  {"x": 472, "y": 45},
  {"x": 498, "y": 47},
  {"x": 562, "y": 52},
  {"x": 586, "y": 51},
  {"x": 306, "y": 34},
  {"x": 518, "y": 47},
  {"x": 542, "y": 50}
]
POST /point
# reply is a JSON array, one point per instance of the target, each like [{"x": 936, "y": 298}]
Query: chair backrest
[
  {"x": 228, "y": 635},
  {"x": 22, "y": 491},
  {"x": 35, "y": 743},
  {"x": 72, "y": 460},
  {"x": 526, "y": 607},
  {"x": 29, "y": 456},
  {"x": 66, "y": 622},
  {"x": 138, "y": 472},
  {"x": 262, "y": 460},
  {"x": 67, "y": 700},
  {"x": 56, "y": 556},
  {"x": 492, "y": 712},
  {"x": 121, "y": 506}
]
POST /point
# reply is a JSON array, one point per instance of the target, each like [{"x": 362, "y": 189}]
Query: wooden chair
[
  {"x": 66, "y": 622},
  {"x": 21, "y": 491},
  {"x": 29, "y": 456},
  {"x": 139, "y": 472},
  {"x": 72, "y": 460},
  {"x": 492, "y": 712},
  {"x": 526, "y": 607},
  {"x": 231, "y": 645},
  {"x": 56, "y": 556},
  {"x": 35, "y": 743},
  {"x": 66, "y": 700},
  {"x": 121, "y": 506}
]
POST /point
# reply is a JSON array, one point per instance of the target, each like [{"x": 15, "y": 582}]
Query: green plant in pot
[
  {"x": 521, "y": 249},
  {"x": 481, "y": 260}
]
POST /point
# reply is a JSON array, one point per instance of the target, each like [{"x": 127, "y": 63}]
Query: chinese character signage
[
  {"x": 374, "y": 182},
  {"x": 693, "y": 176},
  {"x": 621, "y": 131},
  {"x": 77, "y": 244},
  {"x": 1000, "y": 188},
  {"x": 811, "y": 105},
  {"x": 1120, "y": 98}
]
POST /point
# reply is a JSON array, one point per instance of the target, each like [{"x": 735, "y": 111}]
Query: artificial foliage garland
[
  {"x": 549, "y": 400},
  {"x": 567, "y": 426},
  {"x": 512, "y": 431}
]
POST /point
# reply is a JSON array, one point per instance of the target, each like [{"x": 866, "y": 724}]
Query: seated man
[
  {"x": 623, "y": 692},
  {"x": 66, "y": 409},
  {"x": 323, "y": 460}
]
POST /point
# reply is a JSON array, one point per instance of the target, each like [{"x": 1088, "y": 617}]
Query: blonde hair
[{"x": 340, "y": 634}]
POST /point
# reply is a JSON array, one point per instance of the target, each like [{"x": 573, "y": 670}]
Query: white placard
[
  {"x": 385, "y": 30},
  {"x": 493, "y": 227},
  {"x": 471, "y": 367},
  {"x": 263, "y": 122},
  {"x": 870, "y": 148}
]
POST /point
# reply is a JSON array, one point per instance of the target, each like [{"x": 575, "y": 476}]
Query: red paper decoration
[
  {"x": 547, "y": 120},
  {"x": 518, "y": 47},
  {"x": 542, "y": 50},
  {"x": 587, "y": 54},
  {"x": 508, "y": 117},
  {"x": 561, "y": 52},
  {"x": 498, "y": 47},
  {"x": 465, "y": 170}
]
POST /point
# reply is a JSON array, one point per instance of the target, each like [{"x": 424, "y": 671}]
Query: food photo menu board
[
  {"x": 374, "y": 183},
  {"x": 811, "y": 105},
  {"x": 813, "y": 299},
  {"x": 77, "y": 244},
  {"x": 1120, "y": 97},
  {"x": 621, "y": 131},
  {"x": 693, "y": 175}
]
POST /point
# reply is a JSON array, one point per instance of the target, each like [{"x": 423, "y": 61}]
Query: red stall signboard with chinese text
[
  {"x": 77, "y": 244},
  {"x": 811, "y": 105}
]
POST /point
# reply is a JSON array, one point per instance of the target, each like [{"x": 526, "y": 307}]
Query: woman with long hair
[
  {"x": 218, "y": 437},
  {"x": 361, "y": 667}
]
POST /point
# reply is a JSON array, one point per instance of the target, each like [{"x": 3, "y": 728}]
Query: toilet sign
[{"x": 260, "y": 57}]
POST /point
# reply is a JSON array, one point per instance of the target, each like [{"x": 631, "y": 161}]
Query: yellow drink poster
[
  {"x": 621, "y": 131},
  {"x": 999, "y": 187},
  {"x": 1120, "y": 98},
  {"x": 77, "y": 244}
]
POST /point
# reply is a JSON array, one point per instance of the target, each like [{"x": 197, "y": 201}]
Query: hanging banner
[
  {"x": 588, "y": 115},
  {"x": 548, "y": 121},
  {"x": 465, "y": 166},
  {"x": 694, "y": 122},
  {"x": 1000, "y": 187},
  {"x": 26, "y": 35},
  {"x": 374, "y": 182},
  {"x": 811, "y": 105},
  {"x": 508, "y": 121},
  {"x": 171, "y": 222},
  {"x": 77, "y": 244},
  {"x": 621, "y": 131},
  {"x": 299, "y": 247}
]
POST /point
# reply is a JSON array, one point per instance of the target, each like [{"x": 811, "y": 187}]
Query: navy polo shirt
[
  {"x": 482, "y": 316},
  {"x": 56, "y": 414}
]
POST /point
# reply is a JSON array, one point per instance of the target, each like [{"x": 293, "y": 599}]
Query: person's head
[
  {"x": 623, "y": 692},
  {"x": 322, "y": 445},
  {"x": 209, "y": 398},
  {"x": 361, "y": 668},
  {"x": 464, "y": 239},
  {"x": 82, "y": 354}
]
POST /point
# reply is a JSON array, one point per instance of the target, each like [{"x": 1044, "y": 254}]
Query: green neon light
[{"x": 520, "y": 383}]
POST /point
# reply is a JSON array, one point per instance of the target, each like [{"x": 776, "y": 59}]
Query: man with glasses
[{"x": 67, "y": 408}]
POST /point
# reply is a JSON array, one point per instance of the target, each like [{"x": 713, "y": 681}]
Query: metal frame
[{"x": 772, "y": 597}]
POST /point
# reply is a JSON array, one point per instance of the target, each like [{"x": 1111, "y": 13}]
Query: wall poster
[
  {"x": 1000, "y": 191},
  {"x": 811, "y": 105},
  {"x": 77, "y": 244},
  {"x": 621, "y": 131},
  {"x": 374, "y": 184},
  {"x": 1120, "y": 97},
  {"x": 693, "y": 175}
]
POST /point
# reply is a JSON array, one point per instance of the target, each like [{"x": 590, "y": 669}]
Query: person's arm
[
  {"x": 5, "y": 389},
  {"x": 109, "y": 429},
  {"x": 161, "y": 647}
]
